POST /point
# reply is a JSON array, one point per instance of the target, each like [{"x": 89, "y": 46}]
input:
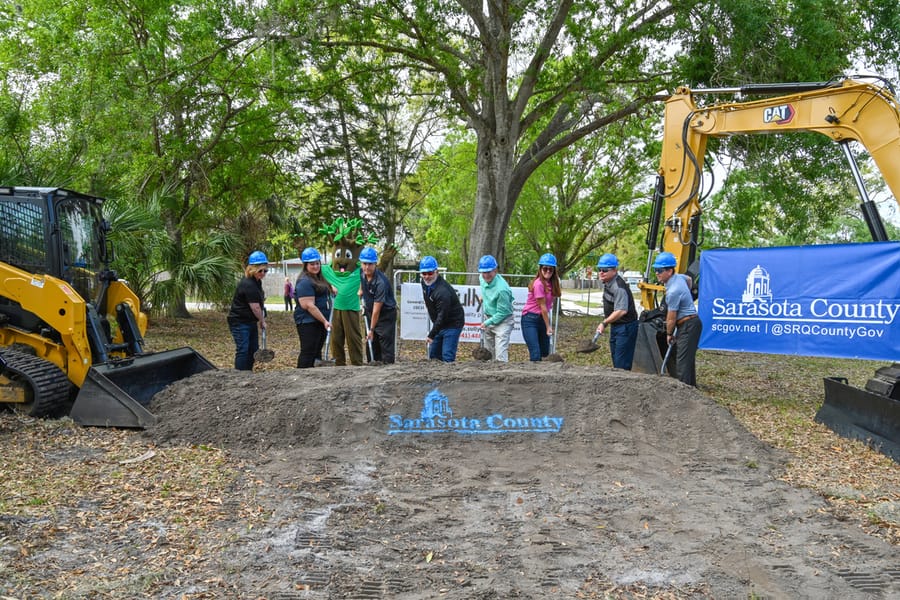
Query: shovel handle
[
  {"x": 368, "y": 341},
  {"x": 662, "y": 369}
]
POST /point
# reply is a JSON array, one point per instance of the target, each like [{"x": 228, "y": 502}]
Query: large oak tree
[{"x": 531, "y": 77}]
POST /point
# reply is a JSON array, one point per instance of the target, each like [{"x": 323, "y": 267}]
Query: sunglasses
[
  {"x": 658, "y": 271},
  {"x": 427, "y": 273},
  {"x": 547, "y": 268},
  {"x": 604, "y": 270},
  {"x": 263, "y": 271}
]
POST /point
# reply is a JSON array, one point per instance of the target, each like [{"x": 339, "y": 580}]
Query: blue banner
[{"x": 840, "y": 301}]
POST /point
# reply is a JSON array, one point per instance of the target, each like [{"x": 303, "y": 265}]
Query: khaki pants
[
  {"x": 345, "y": 326},
  {"x": 496, "y": 339}
]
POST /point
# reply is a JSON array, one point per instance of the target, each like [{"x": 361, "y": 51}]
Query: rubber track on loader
[{"x": 49, "y": 385}]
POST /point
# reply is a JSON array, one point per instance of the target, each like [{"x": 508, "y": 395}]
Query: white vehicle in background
[{"x": 632, "y": 278}]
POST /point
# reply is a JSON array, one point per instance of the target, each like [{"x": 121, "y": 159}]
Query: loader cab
[
  {"x": 52, "y": 231},
  {"x": 79, "y": 231}
]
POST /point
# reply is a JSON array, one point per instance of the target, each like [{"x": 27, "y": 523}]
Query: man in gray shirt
[{"x": 620, "y": 314}]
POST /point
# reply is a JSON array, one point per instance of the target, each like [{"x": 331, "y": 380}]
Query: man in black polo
[
  {"x": 620, "y": 313},
  {"x": 380, "y": 308}
]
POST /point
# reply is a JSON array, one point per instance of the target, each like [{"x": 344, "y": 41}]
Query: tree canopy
[{"x": 242, "y": 125}]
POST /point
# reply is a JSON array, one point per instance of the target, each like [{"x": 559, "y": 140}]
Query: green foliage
[
  {"x": 164, "y": 100},
  {"x": 793, "y": 189},
  {"x": 447, "y": 181},
  {"x": 238, "y": 126},
  {"x": 347, "y": 229},
  {"x": 881, "y": 49},
  {"x": 368, "y": 123},
  {"x": 753, "y": 41},
  {"x": 161, "y": 272}
]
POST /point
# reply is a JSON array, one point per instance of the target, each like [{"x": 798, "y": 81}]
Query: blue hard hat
[
  {"x": 664, "y": 260},
  {"x": 429, "y": 263},
  {"x": 547, "y": 260},
  {"x": 310, "y": 255},
  {"x": 487, "y": 263},
  {"x": 257, "y": 258},
  {"x": 368, "y": 255},
  {"x": 608, "y": 261}
]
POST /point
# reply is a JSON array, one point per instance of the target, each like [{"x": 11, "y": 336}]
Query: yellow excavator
[
  {"x": 71, "y": 332},
  {"x": 861, "y": 109}
]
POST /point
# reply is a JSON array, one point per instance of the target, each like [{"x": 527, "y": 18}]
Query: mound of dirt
[{"x": 486, "y": 480}]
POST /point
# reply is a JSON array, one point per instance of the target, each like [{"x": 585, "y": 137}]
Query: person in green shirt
[
  {"x": 343, "y": 275},
  {"x": 497, "y": 309}
]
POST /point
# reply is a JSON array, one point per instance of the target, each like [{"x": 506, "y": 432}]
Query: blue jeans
[
  {"x": 622, "y": 340},
  {"x": 535, "y": 333},
  {"x": 444, "y": 344},
  {"x": 246, "y": 343}
]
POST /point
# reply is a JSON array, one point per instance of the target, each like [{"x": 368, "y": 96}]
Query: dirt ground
[{"x": 547, "y": 480}]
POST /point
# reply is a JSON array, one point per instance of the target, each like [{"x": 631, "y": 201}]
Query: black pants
[
  {"x": 384, "y": 336},
  {"x": 312, "y": 340},
  {"x": 685, "y": 350}
]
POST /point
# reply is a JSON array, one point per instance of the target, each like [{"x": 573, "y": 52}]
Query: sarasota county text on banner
[{"x": 836, "y": 300}]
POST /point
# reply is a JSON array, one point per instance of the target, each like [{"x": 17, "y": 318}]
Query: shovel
[
  {"x": 481, "y": 353},
  {"x": 590, "y": 346},
  {"x": 553, "y": 356},
  {"x": 372, "y": 360},
  {"x": 264, "y": 355},
  {"x": 662, "y": 369},
  {"x": 326, "y": 362}
]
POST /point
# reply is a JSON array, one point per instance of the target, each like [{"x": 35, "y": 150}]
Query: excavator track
[{"x": 47, "y": 387}]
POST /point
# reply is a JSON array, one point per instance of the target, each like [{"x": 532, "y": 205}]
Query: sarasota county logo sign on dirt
[{"x": 437, "y": 417}]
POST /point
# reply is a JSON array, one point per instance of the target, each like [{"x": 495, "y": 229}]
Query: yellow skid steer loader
[{"x": 71, "y": 332}]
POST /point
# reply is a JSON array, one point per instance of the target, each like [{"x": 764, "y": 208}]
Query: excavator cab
[{"x": 67, "y": 322}]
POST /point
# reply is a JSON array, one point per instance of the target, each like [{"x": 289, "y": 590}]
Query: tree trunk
[{"x": 493, "y": 202}]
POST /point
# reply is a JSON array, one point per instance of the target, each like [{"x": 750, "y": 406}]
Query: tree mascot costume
[{"x": 343, "y": 275}]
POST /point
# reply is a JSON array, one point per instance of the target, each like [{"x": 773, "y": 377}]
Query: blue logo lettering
[{"x": 437, "y": 417}]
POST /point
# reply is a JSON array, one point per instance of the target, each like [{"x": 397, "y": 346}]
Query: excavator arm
[{"x": 846, "y": 110}]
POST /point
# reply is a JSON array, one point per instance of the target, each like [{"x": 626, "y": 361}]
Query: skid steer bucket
[
  {"x": 117, "y": 394},
  {"x": 871, "y": 415}
]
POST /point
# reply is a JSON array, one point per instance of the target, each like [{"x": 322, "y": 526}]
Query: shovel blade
[
  {"x": 482, "y": 353},
  {"x": 264, "y": 355}
]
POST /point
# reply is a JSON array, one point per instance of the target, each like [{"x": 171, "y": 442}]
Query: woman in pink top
[{"x": 536, "y": 324}]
